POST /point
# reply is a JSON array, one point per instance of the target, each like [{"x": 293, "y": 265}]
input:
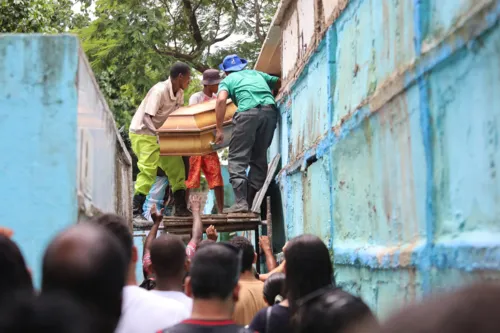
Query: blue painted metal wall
[
  {"x": 62, "y": 157},
  {"x": 38, "y": 169},
  {"x": 390, "y": 146}
]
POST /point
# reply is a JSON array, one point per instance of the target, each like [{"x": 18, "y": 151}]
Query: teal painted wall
[
  {"x": 390, "y": 149},
  {"x": 38, "y": 169},
  {"x": 62, "y": 156}
]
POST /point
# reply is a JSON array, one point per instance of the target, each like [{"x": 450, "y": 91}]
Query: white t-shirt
[
  {"x": 176, "y": 295},
  {"x": 159, "y": 103},
  {"x": 143, "y": 311},
  {"x": 199, "y": 97}
]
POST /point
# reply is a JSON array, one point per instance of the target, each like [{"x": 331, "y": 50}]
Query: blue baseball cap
[{"x": 233, "y": 63}]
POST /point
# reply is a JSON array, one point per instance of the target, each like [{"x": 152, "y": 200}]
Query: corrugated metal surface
[
  {"x": 389, "y": 138},
  {"x": 59, "y": 142}
]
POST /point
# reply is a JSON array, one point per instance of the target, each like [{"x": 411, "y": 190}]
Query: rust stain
[
  {"x": 394, "y": 85},
  {"x": 388, "y": 251},
  {"x": 385, "y": 15},
  {"x": 356, "y": 70},
  {"x": 341, "y": 6},
  {"x": 412, "y": 285}
]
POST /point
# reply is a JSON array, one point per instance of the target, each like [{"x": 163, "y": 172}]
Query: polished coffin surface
[{"x": 190, "y": 130}]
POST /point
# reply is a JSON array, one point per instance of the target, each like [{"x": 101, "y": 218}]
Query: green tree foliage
[
  {"x": 131, "y": 44},
  {"x": 40, "y": 16}
]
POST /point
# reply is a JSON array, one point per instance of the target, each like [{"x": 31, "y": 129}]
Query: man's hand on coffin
[
  {"x": 156, "y": 215},
  {"x": 219, "y": 136},
  {"x": 220, "y": 113}
]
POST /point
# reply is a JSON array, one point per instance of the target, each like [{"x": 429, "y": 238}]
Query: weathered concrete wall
[
  {"x": 39, "y": 135},
  {"x": 48, "y": 98},
  {"x": 389, "y": 139}
]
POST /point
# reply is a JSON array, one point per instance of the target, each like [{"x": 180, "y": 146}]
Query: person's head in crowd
[
  {"x": 168, "y": 258},
  {"x": 333, "y": 311},
  {"x": 470, "y": 309},
  {"x": 308, "y": 267},
  {"x": 213, "y": 280},
  {"x": 274, "y": 288},
  {"x": 50, "y": 312},
  {"x": 204, "y": 243},
  {"x": 14, "y": 274},
  {"x": 87, "y": 262},
  {"x": 180, "y": 76},
  {"x": 118, "y": 226},
  {"x": 211, "y": 79},
  {"x": 249, "y": 257}
]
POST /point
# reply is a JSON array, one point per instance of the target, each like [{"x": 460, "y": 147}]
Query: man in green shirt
[{"x": 253, "y": 127}]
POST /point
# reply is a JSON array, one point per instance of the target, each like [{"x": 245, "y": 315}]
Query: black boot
[
  {"x": 251, "y": 196},
  {"x": 138, "y": 203},
  {"x": 240, "y": 200},
  {"x": 180, "y": 204}
]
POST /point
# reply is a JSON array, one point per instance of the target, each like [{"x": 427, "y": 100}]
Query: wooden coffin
[{"x": 190, "y": 130}]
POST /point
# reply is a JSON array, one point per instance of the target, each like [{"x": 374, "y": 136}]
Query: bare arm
[
  {"x": 148, "y": 121},
  {"x": 279, "y": 269},
  {"x": 157, "y": 217},
  {"x": 220, "y": 113},
  {"x": 268, "y": 252},
  {"x": 197, "y": 232}
]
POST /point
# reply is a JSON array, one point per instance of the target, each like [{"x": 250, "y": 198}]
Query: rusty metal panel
[
  {"x": 378, "y": 172},
  {"x": 305, "y": 10},
  {"x": 384, "y": 290},
  {"x": 331, "y": 7},
  {"x": 375, "y": 40},
  {"x": 309, "y": 112},
  {"x": 397, "y": 167},
  {"x": 466, "y": 157},
  {"x": 446, "y": 15},
  {"x": 290, "y": 46},
  {"x": 317, "y": 199}
]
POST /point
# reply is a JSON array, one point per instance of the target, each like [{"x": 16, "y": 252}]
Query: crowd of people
[{"x": 89, "y": 285}]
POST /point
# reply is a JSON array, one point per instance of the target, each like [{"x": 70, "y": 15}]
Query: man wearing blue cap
[{"x": 253, "y": 127}]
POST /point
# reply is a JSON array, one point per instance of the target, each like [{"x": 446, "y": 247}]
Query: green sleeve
[
  {"x": 271, "y": 80},
  {"x": 225, "y": 85}
]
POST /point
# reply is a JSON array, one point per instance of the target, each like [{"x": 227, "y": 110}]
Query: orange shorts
[{"x": 211, "y": 168}]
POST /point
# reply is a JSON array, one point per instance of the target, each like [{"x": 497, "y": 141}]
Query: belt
[{"x": 268, "y": 107}]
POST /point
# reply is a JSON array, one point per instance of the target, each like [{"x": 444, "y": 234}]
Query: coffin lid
[{"x": 195, "y": 118}]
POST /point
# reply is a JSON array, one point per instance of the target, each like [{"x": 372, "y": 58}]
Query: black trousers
[{"x": 253, "y": 132}]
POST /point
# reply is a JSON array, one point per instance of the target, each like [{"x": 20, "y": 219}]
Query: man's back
[
  {"x": 176, "y": 296},
  {"x": 207, "y": 326},
  {"x": 250, "y": 301},
  {"x": 249, "y": 88},
  {"x": 143, "y": 311}
]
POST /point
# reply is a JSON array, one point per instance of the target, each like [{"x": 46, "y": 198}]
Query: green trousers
[{"x": 147, "y": 150}]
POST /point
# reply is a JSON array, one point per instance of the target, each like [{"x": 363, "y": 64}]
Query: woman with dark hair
[
  {"x": 316, "y": 304},
  {"x": 313, "y": 302}
]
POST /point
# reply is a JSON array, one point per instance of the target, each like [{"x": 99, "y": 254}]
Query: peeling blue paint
[
  {"x": 38, "y": 108},
  {"x": 411, "y": 152}
]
